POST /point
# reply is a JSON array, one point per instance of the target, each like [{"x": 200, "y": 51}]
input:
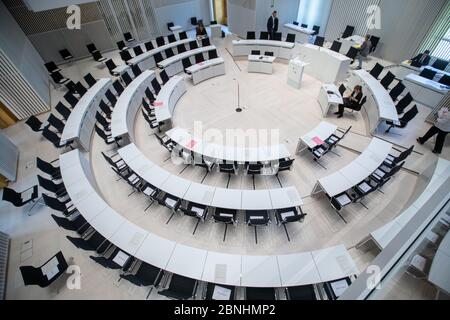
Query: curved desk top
[
  {"x": 227, "y": 269},
  {"x": 151, "y": 53},
  {"x": 168, "y": 97},
  {"x": 269, "y": 43},
  {"x": 178, "y": 57},
  {"x": 334, "y": 54},
  {"x": 84, "y": 111},
  {"x": 227, "y": 153},
  {"x": 358, "y": 170},
  {"x": 299, "y": 29},
  {"x": 128, "y": 104},
  {"x": 204, "y": 65}
]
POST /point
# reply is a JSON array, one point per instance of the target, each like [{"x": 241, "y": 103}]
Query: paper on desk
[
  {"x": 158, "y": 103},
  {"x": 221, "y": 293},
  {"x": 121, "y": 258},
  {"x": 50, "y": 266},
  {"x": 317, "y": 141},
  {"x": 339, "y": 287},
  {"x": 52, "y": 273}
]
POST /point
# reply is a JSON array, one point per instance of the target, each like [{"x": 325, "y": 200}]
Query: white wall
[
  {"x": 15, "y": 44},
  {"x": 241, "y": 19},
  {"x": 287, "y": 13},
  {"x": 314, "y": 12},
  {"x": 41, "y": 5}
]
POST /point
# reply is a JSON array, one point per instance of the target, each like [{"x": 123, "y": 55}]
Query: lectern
[{"x": 295, "y": 72}]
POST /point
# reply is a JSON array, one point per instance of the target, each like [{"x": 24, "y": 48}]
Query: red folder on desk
[
  {"x": 158, "y": 103},
  {"x": 317, "y": 141},
  {"x": 191, "y": 144}
]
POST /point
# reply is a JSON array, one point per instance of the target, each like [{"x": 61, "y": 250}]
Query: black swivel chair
[
  {"x": 397, "y": 91},
  {"x": 289, "y": 215},
  {"x": 55, "y": 204},
  {"x": 20, "y": 199},
  {"x": 34, "y": 123},
  {"x": 146, "y": 275},
  {"x": 277, "y": 36},
  {"x": 125, "y": 56},
  {"x": 156, "y": 86},
  {"x": 160, "y": 41},
  {"x": 199, "y": 58},
  {"x": 81, "y": 90},
  {"x": 128, "y": 37},
  {"x": 304, "y": 25},
  {"x": 387, "y": 80},
  {"x": 290, "y": 38},
  {"x": 195, "y": 210},
  {"x": 376, "y": 70},
  {"x": 91, "y": 48},
  {"x": 137, "y": 50},
  {"x": 268, "y": 53},
  {"x": 392, "y": 161},
  {"x": 136, "y": 70},
  {"x": 107, "y": 138},
  {"x": 445, "y": 80},
  {"x": 183, "y": 35},
  {"x": 94, "y": 242},
  {"x": 329, "y": 288},
  {"x": 127, "y": 78},
  {"x": 90, "y": 80},
  {"x": 226, "y": 216},
  {"x": 180, "y": 288},
  {"x": 58, "y": 190},
  {"x": 56, "y": 123},
  {"x": 149, "y": 46},
  {"x": 111, "y": 66},
  {"x": 316, "y": 30},
  {"x": 440, "y": 64},
  {"x": 171, "y": 38},
  {"x": 121, "y": 45},
  {"x": 111, "y": 97},
  {"x": 65, "y": 54},
  {"x": 428, "y": 73},
  {"x": 118, "y": 87},
  {"x": 158, "y": 57},
  {"x": 375, "y": 41},
  {"x": 348, "y": 32},
  {"x": 404, "y": 103},
  {"x": 264, "y": 35},
  {"x": 164, "y": 77},
  {"x": 251, "y": 35},
  {"x": 55, "y": 139},
  {"x": 407, "y": 117},
  {"x": 255, "y": 52},
  {"x": 256, "y": 218},
  {"x": 303, "y": 293},
  {"x": 181, "y": 48},
  {"x": 352, "y": 53},
  {"x": 170, "y": 25},
  {"x": 193, "y": 45},
  {"x": 186, "y": 63},
  {"x": 212, "y": 54},
  {"x": 51, "y": 67},
  {"x": 98, "y": 56},
  {"x": 206, "y": 42},
  {"x": 169, "y": 53},
  {"x": 78, "y": 224},
  {"x": 34, "y": 276},
  {"x": 48, "y": 168},
  {"x": 194, "y": 21},
  {"x": 336, "y": 46},
  {"x": 58, "y": 78},
  {"x": 109, "y": 263},
  {"x": 295, "y": 23},
  {"x": 319, "y": 41}
]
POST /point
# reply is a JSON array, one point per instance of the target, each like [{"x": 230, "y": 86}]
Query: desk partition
[
  {"x": 280, "y": 49},
  {"x": 168, "y": 97},
  {"x": 301, "y": 34},
  {"x": 206, "y": 70}
]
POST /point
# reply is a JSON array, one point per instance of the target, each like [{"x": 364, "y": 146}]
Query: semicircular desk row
[
  {"x": 237, "y": 270},
  {"x": 280, "y": 49}
]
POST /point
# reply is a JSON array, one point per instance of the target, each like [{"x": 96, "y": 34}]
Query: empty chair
[
  {"x": 118, "y": 87},
  {"x": 170, "y": 25},
  {"x": 51, "y": 67},
  {"x": 160, "y": 41},
  {"x": 125, "y": 56},
  {"x": 183, "y": 35},
  {"x": 376, "y": 70},
  {"x": 186, "y": 63},
  {"x": 392, "y": 161},
  {"x": 199, "y": 58},
  {"x": 336, "y": 46},
  {"x": 316, "y": 30},
  {"x": 268, "y": 53},
  {"x": 71, "y": 87},
  {"x": 111, "y": 97},
  {"x": 58, "y": 78},
  {"x": 48, "y": 168},
  {"x": 166, "y": 142},
  {"x": 94, "y": 242},
  {"x": 103, "y": 121},
  {"x": 193, "y": 45},
  {"x": 119, "y": 164},
  {"x": 226, "y": 216},
  {"x": 158, "y": 57},
  {"x": 195, "y": 210},
  {"x": 137, "y": 50},
  {"x": 110, "y": 262},
  {"x": 36, "y": 276},
  {"x": 213, "y": 22},
  {"x": 251, "y": 35},
  {"x": 169, "y": 53},
  {"x": 19, "y": 199},
  {"x": 440, "y": 64},
  {"x": 65, "y": 54},
  {"x": 290, "y": 37},
  {"x": 149, "y": 46},
  {"x": 212, "y": 54},
  {"x": 55, "y": 139},
  {"x": 397, "y": 91},
  {"x": 91, "y": 48},
  {"x": 127, "y": 78},
  {"x": 260, "y": 294},
  {"x": 206, "y": 42},
  {"x": 181, "y": 48},
  {"x": 136, "y": 70},
  {"x": 304, "y": 25},
  {"x": 255, "y": 218},
  {"x": 111, "y": 66},
  {"x": 277, "y": 36},
  {"x": 149, "y": 95},
  {"x": 98, "y": 56},
  {"x": 404, "y": 103},
  {"x": 387, "y": 80},
  {"x": 79, "y": 224},
  {"x": 107, "y": 138},
  {"x": 56, "y": 123},
  {"x": 375, "y": 41},
  {"x": 66, "y": 208},
  {"x": 152, "y": 123},
  {"x": 255, "y": 52},
  {"x": 146, "y": 275},
  {"x": 171, "y": 38},
  {"x": 128, "y": 37},
  {"x": 34, "y": 123},
  {"x": 156, "y": 86},
  {"x": 264, "y": 35},
  {"x": 428, "y": 73},
  {"x": 81, "y": 90},
  {"x": 304, "y": 293},
  {"x": 352, "y": 53},
  {"x": 289, "y": 215},
  {"x": 407, "y": 117},
  {"x": 90, "y": 80},
  {"x": 319, "y": 41},
  {"x": 180, "y": 288},
  {"x": 348, "y": 32},
  {"x": 445, "y": 80},
  {"x": 70, "y": 98},
  {"x": 164, "y": 77},
  {"x": 105, "y": 109},
  {"x": 63, "y": 110},
  {"x": 194, "y": 21},
  {"x": 121, "y": 45},
  {"x": 295, "y": 23}
]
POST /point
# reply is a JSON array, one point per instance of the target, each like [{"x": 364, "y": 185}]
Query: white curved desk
[
  {"x": 310, "y": 140},
  {"x": 301, "y": 34},
  {"x": 173, "y": 65},
  {"x": 379, "y": 105},
  {"x": 280, "y": 49},
  {"x": 206, "y": 70},
  {"x": 168, "y": 97},
  {"x": 128, "y": 104},
  {"x": 81, "y": 122}
]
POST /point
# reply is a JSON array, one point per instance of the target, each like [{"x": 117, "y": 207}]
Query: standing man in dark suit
[
  {"x": 272, "y": 25},
  {"x": 421, "y": 59}
]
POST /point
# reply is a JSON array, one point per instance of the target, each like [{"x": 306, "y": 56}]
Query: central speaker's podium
[{"x": 295, "y": 72}]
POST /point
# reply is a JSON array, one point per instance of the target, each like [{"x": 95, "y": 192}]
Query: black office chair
[
  {"x": 197, "y": 211},
  {"x": 64, "y": 207},
  {"x": 156, "y": 86},
  {"x": 199, "y": 58},
  {"x": 65, "y": 54},
  {"x": 78, "y": 225},
  {"x": 164, "y": 77},
  {"x": 56, "y": 123},
  {"x": 397, "y": 91},
  {"x": 319, "y": 41},
  {"x": 165, "y": 142},
  {"x": 212, "y": 54},
  {"x": 392, "y": 161},
  {"x": 206, "y": 42},
  {"x": 146, "y": 275},
  {"x": 111, "y": 97},
  {"x": 253, "y": 169},
  {"x": 128, "y": 37},
  {"x": 136, "y": 70},
  {"x": 149, "y": 95},
  {"x": 34, "y": 277},
  {"x": 95, "y": 242},
  {"x": 149, "y": 46},
  {"x": 268, "y": 53},
  {"x": 440, "y": 64},
  {"x": 160, "y": 41},
  {"x": 81, "y": 90},
  {"x": 55, "y": 139},
  {"x": 118, "y": 87},
  {"x": 251, "y": 35},
  {"x": 125, "y": 56},
  {"x": 264, "y": 35},
  {"x": 180, "y": 288},
  {"x": 387, "y": 80},
  {"x": 226, "y": 216},
  {"x": 352, "y": 53},
  {"x": 90, "y": 80},
  {"x": 316, "y": 30},
  {"x": 404, "y": 103},
  {"x": 109, "y": 263},
  {"x": 193, "y": 45},
  {"x": 169, "y": 53},
  {"x": 58, "y": 78},
  {"x": 186, "y": 63},
  {"x": 445, "y": 80},
  {"x": 171, "y": 38},
  {"x": 91, "y": 48},
  {"x": 407, "y": 117},
  {"x": 290, "y": 37},
  {"x": 111, "y": 66},
  {"x": 376, "y": 70},
  {"x": 304, "y": 25},
  {"x": 103, "y": 121},
  {"x": 428, "y": 73},
  {"x": 181, "y": 48},
  {"x": 295, "y": 23},
  {"x": 107, "y": 138},
  {"x": 48, "y": 168},
  {"x": 137, "y": 50},
  {"x": 342, "y": 89},
  {"x": 260, "y": 294},
  {"x": 375, "y": 41},
  {"x": 255, "y": 52},
  {"x": 336, "y": 46},
  {"x": 348, "y": 32},
  {"x": 71, "y": 87},
  {"x": 213, "y": 22},
  {"x": 127, "y": 78},
  {"x": 256, "y": 218},
  {"x": 34, "y": 123},
  {"x": 98, "y": 56},
  {"x": 289, "y": 215},
  {"x": 302, "y": 293},
  {"x": 58, "y": 190},
  {"x": 51, "y": 67},
  {"x": 183, "y": 35},
  {"x": 121, "y": 45},
  {"x": 277, "y": 36},
  {"x": 158, "y": 57},
  {"x": 22, "y": 198}
]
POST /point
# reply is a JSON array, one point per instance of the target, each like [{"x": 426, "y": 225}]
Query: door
[{"x": 220, "y": 12}]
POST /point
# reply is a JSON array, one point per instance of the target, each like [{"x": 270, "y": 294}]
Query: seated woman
[
  {"x": 201, "y": 30},
  {"x": 351, "y": 102}
]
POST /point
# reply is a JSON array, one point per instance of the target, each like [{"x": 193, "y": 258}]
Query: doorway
[{"x": 220, "y": 11}]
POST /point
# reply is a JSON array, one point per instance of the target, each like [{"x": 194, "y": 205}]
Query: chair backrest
[
  {"x": 336, "y": 46},
  {"x": 363, "y": 102},
  {"x": 128, "y": 36},
  {"x": 91, "y": 48},
  {"x": 63, "y": 110},
  {"x": 51, "y": 66},
  {"x": 264, "y": 35},
  {"x": 409, "y": 115},
  {"x": 90, "y": 80},
  {"x": 149, "y": 94},
  {"x": 110, "y": 64},
  {"x": 374, "y": 41},
  {"x": 111, "y": 97},
  {"x": 53, "y": 203},
  {"x": 213, "y": 22},
  {"x": 12, "y": 197},
  {"x": 268, "y": 53},
  {"x": 101, "y": 133},
  {"x": 183, "y": 35},
  {"x": 445, "y": 80},
  {"x": 285, "y": 165},
  {"x": 348, "y": 32},
  {"x": 65, "y": 54},
  {"x": 52, "y": 137},
  {"x": 404, "y": 103},
  {"x": 125, "y": 55},
  {"x": 127, "y": 78},
  {"x": 186, "y": 63},
  {"x": 304, "y": 25},
  {"x": 170, "y": 25},
  {"x": 156, "y": 86},
  {"x": 199, "y": 58},
  {"x": 397, "y": 91},
  {"x": 56, "y": 76},
  {"x": 55, "y": 122},
  {"x": 295, "y": 23},
  {"x": 118, "y": 87},
  {"x": 136, "y": 70},
  {"x": 387, "y": 80},
  {"x": 34, "y": 123},
  {"x": 316, "y": 29},
  {"x": 194, "y": 21},
  {"x": 81, "y": 90},
  {"x": 277, "y": 36},
  {"x": 256, "y": 52},
  {"x": 440, "y": 64},
  {"x": 70, "y": 98},
  {"x": 206, "y": 42},
  {"x": 405, "y": 154},
  {"x": 319, "y": 41},
  {"x": 121, "y": 44},
  {"x": 169, "y": 53},
  {"x": 181, "y": 48},
  {"x": 428, "y": 73},
  {"x": 171, "y": 38},
  {"x": 212, "y": 54},
  {"x": 251, "y": 35},
  {"x": 105, "y": 108},
  {"x": 100, "y": 119},
  {"x": 45, "y": 167},
  {"x": 352, "y": 53},
  {"x": 158, "y": 57},
  {"x": 342, "y": 89},
  {"x": 376, "y": 70},
  {"x": 137, "y": 50},
  {"x": 160, "y": 41},
  {"x": 149, "y": 46},
  {"x": 290, "y": 37},
  {"x": 164, "y": 77},
  {"x": 193, "y": 45},
  {"x": 47, "y": 184}
]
